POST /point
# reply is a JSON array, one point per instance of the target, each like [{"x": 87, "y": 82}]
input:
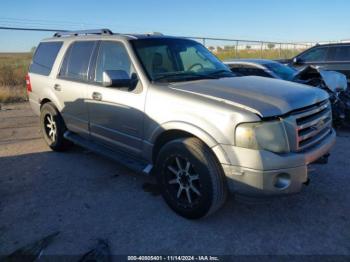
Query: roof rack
[{"x": 84, "y": 32}]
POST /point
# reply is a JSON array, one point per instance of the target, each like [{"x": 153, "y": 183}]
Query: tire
[
  {"x": 53, "y": 128},
  {"x": 190, "y": 177}
]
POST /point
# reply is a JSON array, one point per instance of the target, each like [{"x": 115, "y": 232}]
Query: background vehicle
[
  {"x": 261, "y": 67},
  {"x": 334, "y": 57},
  {"x": 165, "y": 102},
  {"x": 333, "y": 82}
]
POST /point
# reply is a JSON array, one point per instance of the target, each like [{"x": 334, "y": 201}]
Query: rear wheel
[
  {"x": 191, "y": 179},
  {"x": 53, "y": 128}
]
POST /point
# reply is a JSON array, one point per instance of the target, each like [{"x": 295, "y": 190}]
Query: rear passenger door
[
  {"x": 71, "y": 86},
  {"x": 116, "y": 115}
]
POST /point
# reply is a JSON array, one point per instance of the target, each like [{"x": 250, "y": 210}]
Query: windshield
[
  {"x": 172, "y": 59},
  {"x": 282, "y": 71}
]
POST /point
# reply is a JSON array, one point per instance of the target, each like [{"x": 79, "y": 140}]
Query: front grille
[{"x": 313, "y": 124}]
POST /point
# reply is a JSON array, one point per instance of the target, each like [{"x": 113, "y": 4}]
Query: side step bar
[{"x": 122, "y": 158}]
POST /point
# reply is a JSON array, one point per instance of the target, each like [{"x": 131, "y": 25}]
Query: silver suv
[{"x": 167, "y": 106}]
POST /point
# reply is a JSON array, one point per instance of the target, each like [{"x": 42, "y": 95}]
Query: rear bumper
[{"x": 265, "y": 173}]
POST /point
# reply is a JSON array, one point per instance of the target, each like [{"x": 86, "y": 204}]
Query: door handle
[
  {"x": 97, "y": 96},
  {"x": 57, "y": 87}
]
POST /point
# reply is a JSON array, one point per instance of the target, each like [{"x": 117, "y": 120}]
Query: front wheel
[
  {"x": 53, "y": 127},
  {"x": 191, "y": 179}
]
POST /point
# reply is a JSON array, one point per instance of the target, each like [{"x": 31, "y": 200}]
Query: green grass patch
[
  {"x": 13, "y": 68},
  {"x": 254, "y": 53}
]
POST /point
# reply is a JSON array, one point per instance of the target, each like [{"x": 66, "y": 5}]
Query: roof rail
[
  {"x": 154, "y": 33},
  {"x": 84, "y": 32}
]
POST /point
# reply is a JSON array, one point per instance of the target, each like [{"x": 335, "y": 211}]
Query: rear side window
[
  {"x": 76, "y": 61},
  {"x": 339, "y": 53},
  {"x": 44, "y": 58}
]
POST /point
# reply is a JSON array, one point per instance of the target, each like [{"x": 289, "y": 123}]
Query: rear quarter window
[{"x": 44, "y": 58}]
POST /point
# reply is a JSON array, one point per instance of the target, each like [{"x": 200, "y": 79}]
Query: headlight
[{"x": 269, "y": 135}]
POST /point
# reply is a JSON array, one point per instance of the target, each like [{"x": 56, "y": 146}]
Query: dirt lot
[{"x": 87, "y": 197}]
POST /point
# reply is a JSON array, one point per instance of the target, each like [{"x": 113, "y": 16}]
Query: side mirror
[
  {"x": 296, "y": 60},
  {"x": 116, "y": 78}
]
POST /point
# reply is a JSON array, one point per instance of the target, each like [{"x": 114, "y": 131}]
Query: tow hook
[{"x": 322, "y": 160}]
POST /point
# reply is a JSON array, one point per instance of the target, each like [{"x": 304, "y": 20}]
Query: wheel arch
[
  {"x": 48, "y": 95},
  {"x": 175, "y": 130},
  {"x": 44, "y": 101}
]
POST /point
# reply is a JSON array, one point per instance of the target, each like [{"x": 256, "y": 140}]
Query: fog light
[{"x": 282, "y": 181}]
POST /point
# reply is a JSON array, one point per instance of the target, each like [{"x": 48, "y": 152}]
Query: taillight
[{"x": 29, "y": 86}]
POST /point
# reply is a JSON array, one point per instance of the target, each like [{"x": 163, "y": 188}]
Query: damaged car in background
[{"x": 334, "y": 83}]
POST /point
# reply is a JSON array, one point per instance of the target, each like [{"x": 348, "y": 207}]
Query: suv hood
[{"x": 264, "y": 96}]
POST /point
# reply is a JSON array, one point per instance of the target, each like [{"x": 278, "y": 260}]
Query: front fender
[{"x": 195, "y": 131}]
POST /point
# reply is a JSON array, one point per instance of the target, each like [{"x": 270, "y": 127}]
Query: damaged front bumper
[{"x": 261, "y": 172}]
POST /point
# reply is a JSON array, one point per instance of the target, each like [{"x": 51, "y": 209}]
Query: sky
[{"x": 269, "y": 20}]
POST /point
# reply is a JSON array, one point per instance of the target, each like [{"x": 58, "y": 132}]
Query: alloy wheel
[
  {"x": 50, "y": 127},
  {"x": 184, "y": 182}
]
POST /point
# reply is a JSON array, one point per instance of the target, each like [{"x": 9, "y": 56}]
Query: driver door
[{"x": 116, "y": 115}]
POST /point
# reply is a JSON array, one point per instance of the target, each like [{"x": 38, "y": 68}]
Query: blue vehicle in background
[{"x": 262, "y": 67}]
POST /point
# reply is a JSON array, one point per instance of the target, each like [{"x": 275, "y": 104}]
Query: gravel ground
[{"x": 87, "y": 197}]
